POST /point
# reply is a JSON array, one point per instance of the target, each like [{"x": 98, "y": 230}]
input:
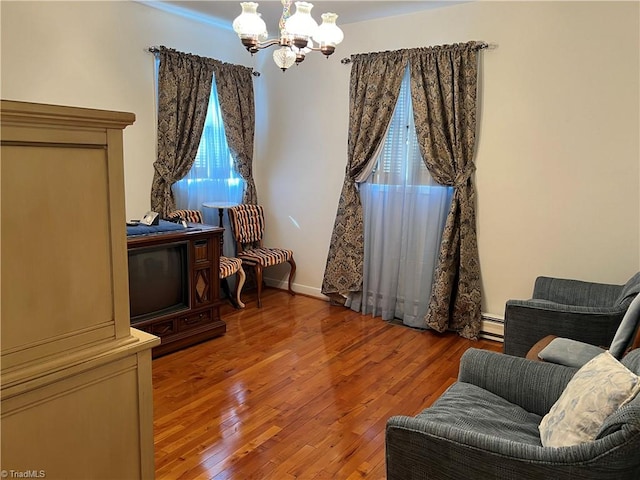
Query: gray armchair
[
  {"x": 584, "y": 311},
  {"x": 485, "y": 426},
  {"x": 572, "y": 353}
]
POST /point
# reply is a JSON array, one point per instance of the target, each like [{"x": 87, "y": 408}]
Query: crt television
[{"x": 158, "y": 280}]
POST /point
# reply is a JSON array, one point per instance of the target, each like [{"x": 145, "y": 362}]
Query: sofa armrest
[
  {"x": 576, "y": 292},
  {"x": 527, "y": 321},
  {"x": 534, "y": 386}
]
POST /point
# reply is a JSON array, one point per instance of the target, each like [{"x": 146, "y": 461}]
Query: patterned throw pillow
[{"x": 597, "y": 390}]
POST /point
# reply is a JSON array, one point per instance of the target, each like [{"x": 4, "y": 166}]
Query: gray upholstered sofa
[
  {"x": 485, "y": 426},
  {"x": 584, "y": 311}
]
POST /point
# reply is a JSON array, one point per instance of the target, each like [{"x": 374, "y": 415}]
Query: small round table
[{"x": 220, "y": 206}]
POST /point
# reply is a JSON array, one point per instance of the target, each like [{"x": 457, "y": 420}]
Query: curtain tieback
[
  {"x": 163, "y": 171},
  {"x": 464, "y": 175}
]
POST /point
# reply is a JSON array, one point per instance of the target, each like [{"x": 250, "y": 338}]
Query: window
[
  {"x": 404, "y": 215},
  {"x": 400, "y": 160},
  {"x": 212, "y": 177}
]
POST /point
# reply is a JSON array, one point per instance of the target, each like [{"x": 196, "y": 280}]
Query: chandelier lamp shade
[{"x": 299, "y": 33}]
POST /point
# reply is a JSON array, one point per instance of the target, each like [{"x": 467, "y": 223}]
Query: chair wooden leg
[
  {"x": 239, "y": 284},
  {"x": 258, "y": 270},
  {"x": 291, "y": 274},
  {"x": 225, "y": 288}
]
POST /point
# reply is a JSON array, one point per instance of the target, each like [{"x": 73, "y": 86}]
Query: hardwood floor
[{"x": 295, "y": 390}]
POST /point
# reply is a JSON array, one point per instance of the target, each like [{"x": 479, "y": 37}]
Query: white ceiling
[{"x": 222, "y": 13}]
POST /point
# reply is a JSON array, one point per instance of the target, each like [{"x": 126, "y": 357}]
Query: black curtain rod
[
  {"x": 481, "y": 46},
  {"x": 155, "y": 50}
]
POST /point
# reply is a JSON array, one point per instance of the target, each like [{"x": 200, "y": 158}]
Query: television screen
[{"x": 158, "y": 280}]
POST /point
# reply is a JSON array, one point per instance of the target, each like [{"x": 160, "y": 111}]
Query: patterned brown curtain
[
  {"x": 184, "y": 86},
  {"x": 234, "y": 84},
  {"x": 373, "y": 92},
  {"x": 443, "y": 92}
]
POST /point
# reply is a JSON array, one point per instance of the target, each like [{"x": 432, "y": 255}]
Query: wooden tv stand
[{"x": 201, "y": 321}]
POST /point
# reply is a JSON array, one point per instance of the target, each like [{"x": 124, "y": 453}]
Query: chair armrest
[
  {"x": 565, "y": 351},
  {"x": 534, "y": 386},
  {"x": 527, "y": 321},
  {"x": 417, "y": 449},
  {"x": 576, "y": 292}
]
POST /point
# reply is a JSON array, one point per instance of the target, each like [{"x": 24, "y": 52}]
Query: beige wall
[
  {"x": 558, "y": 148},
  {"x": 94, "y": 54},
  {"x": 558, "y": 152}
]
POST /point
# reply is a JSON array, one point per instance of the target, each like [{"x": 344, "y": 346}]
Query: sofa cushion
[
  {"x": 471, "y": 408},
  {"x": 595, "y": 392}
]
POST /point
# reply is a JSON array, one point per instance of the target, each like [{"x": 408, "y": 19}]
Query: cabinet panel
[
  {"x": 202, "y": 286},
  {"x": 45, "y": 428},
  {"x": 48, "y": 276},
  {"x": 62, "y": 197}
]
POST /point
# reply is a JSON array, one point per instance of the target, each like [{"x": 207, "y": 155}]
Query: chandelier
[{"x": 299, "y": 33}]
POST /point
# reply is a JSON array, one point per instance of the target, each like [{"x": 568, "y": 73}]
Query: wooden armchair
[{"x": 247, "y": 223}]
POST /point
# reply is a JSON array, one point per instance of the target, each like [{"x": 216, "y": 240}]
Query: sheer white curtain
[
  {"x": 404, "y": 215},
  {"x": 212, "y": 177}
]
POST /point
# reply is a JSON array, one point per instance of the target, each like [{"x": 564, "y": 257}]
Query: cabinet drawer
[
  {"x": 201, "y": 251},
  {"x": 194, "y": 321},
  {"x": 161, "y": 328}
]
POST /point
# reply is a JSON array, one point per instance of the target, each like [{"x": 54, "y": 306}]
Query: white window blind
[{"x": 400, "y": 161}]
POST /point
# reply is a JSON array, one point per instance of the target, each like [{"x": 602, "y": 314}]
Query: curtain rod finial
[{"x": 489, "y": 46}]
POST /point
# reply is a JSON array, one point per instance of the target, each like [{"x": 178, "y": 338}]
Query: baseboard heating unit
[{"x": 492, "y": 327}]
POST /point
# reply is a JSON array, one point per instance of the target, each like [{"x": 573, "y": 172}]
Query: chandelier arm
[{"x": 268, "y": 43}]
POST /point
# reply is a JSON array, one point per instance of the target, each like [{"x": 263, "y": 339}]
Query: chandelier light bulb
[
  {"x": 264, "y": 35},
  {"x": 284, "y": 57},
  {"x": 301, "y": 25},
  {"x": 328, "y": 34},
  {"x": 249, "y": 24}
]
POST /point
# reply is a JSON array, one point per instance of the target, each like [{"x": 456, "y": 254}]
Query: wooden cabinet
[
  {"x": 76, "y": 394},
  {"x": 199, "y": 319}
]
